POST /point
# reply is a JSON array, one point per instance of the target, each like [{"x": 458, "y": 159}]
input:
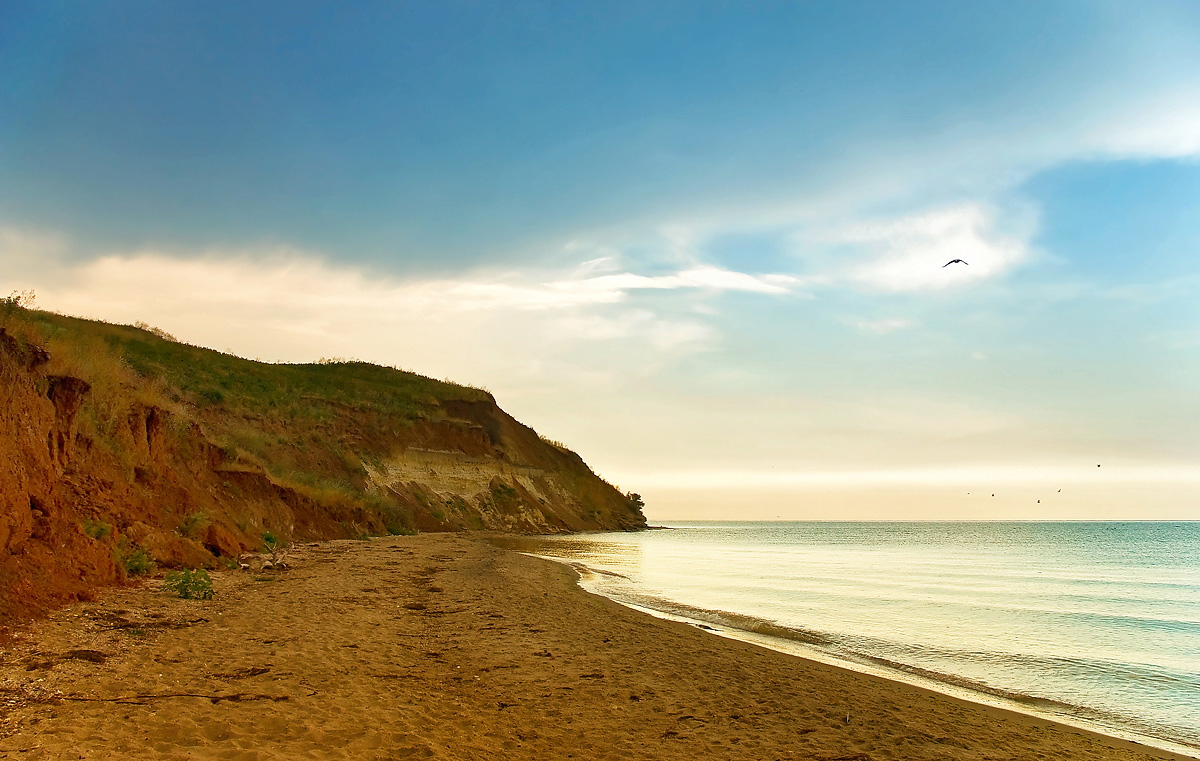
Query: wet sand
[{"x": 443, "y": 647}]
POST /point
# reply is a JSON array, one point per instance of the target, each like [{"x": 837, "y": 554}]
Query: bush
[
  {"x": 156, "y": 331},
  {"x": 96, "y": 529},
  {"x": 136, "y": 561},
  {"x": 270, "y": 540},
  {"x": 19, "y": 300},
  {"x": 190, "y": 584}
]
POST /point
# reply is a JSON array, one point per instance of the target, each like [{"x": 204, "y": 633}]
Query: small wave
[
  {"x": 585, "y": 568},
  {"x": 746, "y": 623}
]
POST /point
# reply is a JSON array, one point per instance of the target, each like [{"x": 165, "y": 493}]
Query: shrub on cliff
[
  {"x": 97, "y": 530},
  {"x": 135, "y": 560}
]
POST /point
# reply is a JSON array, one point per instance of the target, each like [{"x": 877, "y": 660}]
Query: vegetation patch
[
  {"x": 190, "y": 584},
  {"x": 98, "y": 530},
  {"x": 135, "y": 560}
]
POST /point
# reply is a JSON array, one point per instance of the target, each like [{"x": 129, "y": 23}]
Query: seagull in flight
[{"x": 954, "y": 261}]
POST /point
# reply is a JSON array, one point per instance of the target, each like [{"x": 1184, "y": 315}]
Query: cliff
[{"x": 122, "y": 448}]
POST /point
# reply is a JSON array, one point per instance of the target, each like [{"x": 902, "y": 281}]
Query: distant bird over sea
[{"x": 955, "y": 261}]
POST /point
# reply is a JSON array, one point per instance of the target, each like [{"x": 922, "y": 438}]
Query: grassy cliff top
[{"x": 205, "y": 378}]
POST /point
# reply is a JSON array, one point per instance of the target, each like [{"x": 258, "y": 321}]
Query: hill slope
[{"x": 122, "y": 447}]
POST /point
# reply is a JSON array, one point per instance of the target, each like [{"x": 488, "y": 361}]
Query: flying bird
[{"x": 955, "y": 261}]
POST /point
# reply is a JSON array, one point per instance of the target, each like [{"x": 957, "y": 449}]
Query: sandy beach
[{"x": 442, "y": 646}]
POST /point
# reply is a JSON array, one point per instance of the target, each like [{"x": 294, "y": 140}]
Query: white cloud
[
  {"x": 880, "y": 327},
  {"x": 911, "y": 253}
]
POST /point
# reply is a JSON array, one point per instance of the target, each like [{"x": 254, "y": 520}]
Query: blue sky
[{"x": 700, "y": 242}]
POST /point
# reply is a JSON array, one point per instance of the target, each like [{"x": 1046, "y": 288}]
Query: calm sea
[{"x": 1094, "y": 623}]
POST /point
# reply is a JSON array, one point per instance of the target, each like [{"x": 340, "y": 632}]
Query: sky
[{"x": 701, "y": 243}]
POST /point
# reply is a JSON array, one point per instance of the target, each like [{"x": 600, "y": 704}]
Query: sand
[{"x": 441, "y": 646}]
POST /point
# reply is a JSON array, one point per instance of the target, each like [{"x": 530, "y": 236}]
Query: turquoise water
[{"x": 1098, "y": 623}]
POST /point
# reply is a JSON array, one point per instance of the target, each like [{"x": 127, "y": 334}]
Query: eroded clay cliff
[{"x": 179, "y": 456}]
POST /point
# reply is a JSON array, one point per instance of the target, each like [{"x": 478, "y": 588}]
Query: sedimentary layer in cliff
[{"x": 121, "y": 448}]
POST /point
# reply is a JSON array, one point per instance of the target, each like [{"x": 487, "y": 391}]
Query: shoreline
[
  {"x": 443, "y": 646},
  {"x": 1054, "y": 711},
  {"x": 920, "y": 681}
]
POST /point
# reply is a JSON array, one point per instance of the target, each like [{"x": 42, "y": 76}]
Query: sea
[{"x": 1095, "y": 624}]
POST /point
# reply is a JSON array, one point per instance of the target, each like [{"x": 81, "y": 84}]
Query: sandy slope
[{"x": 440, "y": 646}]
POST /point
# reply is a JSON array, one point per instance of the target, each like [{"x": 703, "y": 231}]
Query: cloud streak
[{"x": 602, "y": 289}]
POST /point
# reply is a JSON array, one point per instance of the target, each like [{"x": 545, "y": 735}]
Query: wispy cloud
[
  {"x": 286, "y": 304},
  {"x": 520, "y": 293},
  {"x": 262, "y": 275}
]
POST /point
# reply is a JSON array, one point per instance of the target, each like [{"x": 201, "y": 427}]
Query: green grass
[{"x": 314, "y": 392}]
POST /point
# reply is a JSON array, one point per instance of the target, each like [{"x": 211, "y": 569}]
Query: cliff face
[{"x": 120, "y": 448}]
